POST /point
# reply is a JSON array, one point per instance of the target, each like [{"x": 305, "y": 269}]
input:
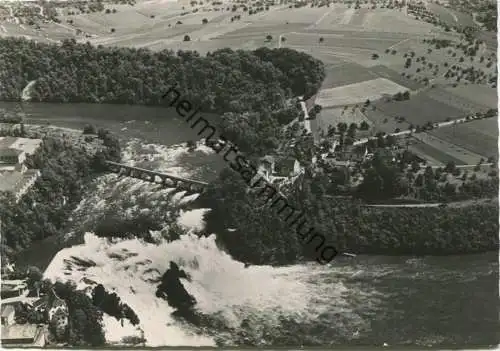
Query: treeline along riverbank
[
  {"x": 252, "y": 92},
  {"x": 67, "y": 164},
  {"x": 260, "y": 236}
]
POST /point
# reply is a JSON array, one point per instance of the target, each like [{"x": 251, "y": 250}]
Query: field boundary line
[
  {"x": 398, "y": 43},
  {"x": 322, "y": 17},
  {"x": 427, "y": 139},
  {"x": 338, "y": 47},
  {"x": 456, "y": 145}
]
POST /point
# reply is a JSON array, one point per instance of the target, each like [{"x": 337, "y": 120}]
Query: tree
[
  {"x": 398, "y": 96},
  {"x": 35, "y": 277},
  {"x": 372, "y": 185},
  {"x": 415, "y": 166},
  {"x": 364, "y": 125},
  {"x": 269, "y": 37},
  {"x": 204, "y": 21},
  {"x": 342, "y": 127},
  {"x": 375, "y": 56},
  {"x": 187, "y": 38},
  {"x": 89, "y": 129},
  {"x": 283, "y": 39},
  {"x": 351, "y": 132},
  {"x": 450, "y": 167},
  {"x": 112, "y": 30},
  {"x": 321, "y": 39},
  {"x": 331, "y": 131}
]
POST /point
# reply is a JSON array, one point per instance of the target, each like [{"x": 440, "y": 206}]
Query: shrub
[{"x": 89, "y": 129}]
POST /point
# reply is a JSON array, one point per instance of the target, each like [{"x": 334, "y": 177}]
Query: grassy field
[
  {"x": 340, "y": 17},
  {"x": 439, "y": 61},
  {"x": 333, "y": 116},
  {"x": 480, "y": 137},
  {"x": 384, "y": 123},
  {"x": 347, "y": 73},
  {"x": 305, "y": 16},
  {"x": 452, "y": 150},
  {"x": 436, "y": 156},
  {"x": 420, "y": 109},
  {"x": 388, "y": 73},
  {"x": 358, "y": 92},
  {"x": 256, "y": 30},
  {"x": 478, "y": 94},
  {"x": 348, "y": 33},
  {"x": 340, "y": 41},
  {"x": 470, "y": 104},
  {"x": 450, "y": 16}
]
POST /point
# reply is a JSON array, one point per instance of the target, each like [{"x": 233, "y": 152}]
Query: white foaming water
[{"x": 222, "y": 286}]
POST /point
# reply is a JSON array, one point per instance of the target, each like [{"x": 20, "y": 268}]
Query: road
[
  {"x": 434, "y": 204},
  {"x": 409, "y": 131}
]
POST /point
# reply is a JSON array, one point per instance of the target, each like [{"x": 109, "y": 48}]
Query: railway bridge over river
[{"x": 168, "y": 180}]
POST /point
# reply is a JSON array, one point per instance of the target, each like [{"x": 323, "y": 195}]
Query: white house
[
  {"x": 15, "y": 177},
  {"x": 279, "y": 168},
  {"x": 8, "y": 315}
]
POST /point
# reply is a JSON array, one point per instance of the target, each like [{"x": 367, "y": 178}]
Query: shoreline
[{"x": 56, "y": 131}]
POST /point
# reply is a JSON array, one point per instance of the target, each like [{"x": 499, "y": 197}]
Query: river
[{"x": 424, "y": 301}]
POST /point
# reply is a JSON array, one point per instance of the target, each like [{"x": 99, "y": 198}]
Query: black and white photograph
[{"x": 271, "y": 174}]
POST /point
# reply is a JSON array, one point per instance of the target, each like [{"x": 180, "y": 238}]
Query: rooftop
[
  {"x": 13, "y": 285},
  {"x": 6, "y": 142},
  {"x": 7, "y": 309},
  {"x": 9, "y": 180},
  {"x": 27, "y": 145},
  {"x": 14, "y": 180},
  {"x": 10, "y": 152},
  {"x": 19, "y": 331}
]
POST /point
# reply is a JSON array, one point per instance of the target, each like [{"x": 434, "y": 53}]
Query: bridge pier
[
  {"x": 167, "y": 180},
  {"x": 127, "y": 172},
  {"x": 195, "y": 188}
]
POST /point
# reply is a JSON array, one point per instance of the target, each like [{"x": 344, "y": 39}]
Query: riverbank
[
  {"x": 90, "y": 143},
  {"x": 68, "y": 160}
]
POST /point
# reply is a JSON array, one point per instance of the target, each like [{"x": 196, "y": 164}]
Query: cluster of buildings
[
  {"x": 25, "y": 320},
  {"x": 15, "y": 177},
  {"x": 275, "y": 168}
]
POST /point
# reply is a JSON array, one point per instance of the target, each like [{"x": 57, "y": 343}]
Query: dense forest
[
  {"x": 251, "y": 89},
  {"x": 261, "y": 235},
  {"x": 44, "y": 210},
  {"x": 223, "y": 81}
]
